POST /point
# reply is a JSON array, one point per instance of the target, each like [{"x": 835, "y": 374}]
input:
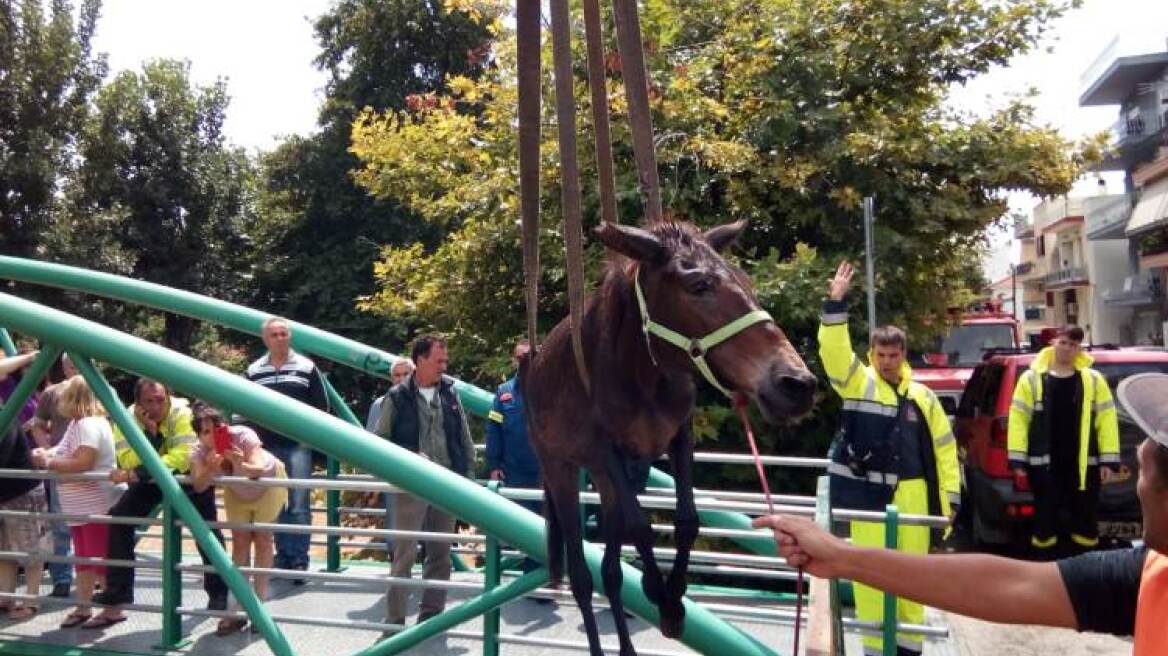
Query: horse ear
[
  {"x": 638, "y": 244},
  {"x": 724, "y": 236}
]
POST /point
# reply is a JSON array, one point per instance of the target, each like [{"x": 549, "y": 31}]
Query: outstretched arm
[{"x": 986, "y": 587}]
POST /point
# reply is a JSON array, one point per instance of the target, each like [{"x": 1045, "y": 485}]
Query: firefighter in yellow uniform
[
  {"x": 895, "y": 446},
  {"x": 1064, "y": 437}
]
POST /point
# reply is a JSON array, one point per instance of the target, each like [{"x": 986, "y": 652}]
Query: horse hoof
[{"x": 673, "y": 620}]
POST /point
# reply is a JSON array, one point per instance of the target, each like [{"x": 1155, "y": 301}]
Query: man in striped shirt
[{"x": 285, "y": 371}]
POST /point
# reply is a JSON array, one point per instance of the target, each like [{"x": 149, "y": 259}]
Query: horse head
[{"x": 703, "y": 315}]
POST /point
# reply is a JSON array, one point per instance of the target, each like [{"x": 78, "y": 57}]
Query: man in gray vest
[{"x": 424, "y": 415}]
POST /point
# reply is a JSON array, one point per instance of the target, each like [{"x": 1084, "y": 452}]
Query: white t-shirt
[
  {"x": 428, "y": 393},
  {"x": 88, "y": 497}
]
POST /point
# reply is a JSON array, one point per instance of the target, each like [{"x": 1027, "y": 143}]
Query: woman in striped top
[{"x": 87, "y": 446}]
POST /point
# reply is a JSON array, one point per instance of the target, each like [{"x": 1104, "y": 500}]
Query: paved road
[{"x": 976, "y": 638}]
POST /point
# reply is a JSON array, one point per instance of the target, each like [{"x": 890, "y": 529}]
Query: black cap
[{"x": 1145, "y": 396}]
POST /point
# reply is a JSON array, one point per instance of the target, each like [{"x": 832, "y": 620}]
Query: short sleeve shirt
[
  {"x": 1104, "y": 588},
  {"x": 248, "y": 441}
]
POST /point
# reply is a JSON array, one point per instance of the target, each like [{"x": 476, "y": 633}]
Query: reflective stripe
[
  {"x": 1084, "y": 541},
  {"x": 954, "y": 498},
  {"x": 495, "y": 416},
  {"x": 870, "y": 407},
  {"x": 1092, "y": 460},
  {"x": 834, "y": 318},
  {"x": 1105, "y": 405},
  {"x": 1040, "y": 460},
  {"x": 852, "y": 370},
  {"x": 1044, "y": 544},
  {"x": 1109, "y": 458},
  {"x": 873, "y": 651},
  {"x": 1018, "y": 456},
  {"x": 870, "y": 390},
  {"x": 183, "y": 439},
  {"x": 1038, "y": 407},
  {"x": 909, "y": 643},
  {"x": 945, "y": 440},
  {"x": 839, "y": 469},
  {"x": 1021, "y": 405}
]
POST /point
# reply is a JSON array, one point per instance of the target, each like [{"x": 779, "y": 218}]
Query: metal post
[
  {"x": 172, "y": 637},
  {"x": 869, "y": 255},
  {"x": 332, "y": 498},
  {"x": 823, "y": 518},
  {"x": 891, "y": 523},
  {"x": 6, "y": 343},
  {"x": 490, "y": 582},
  {"x": 28, "y": 384}
]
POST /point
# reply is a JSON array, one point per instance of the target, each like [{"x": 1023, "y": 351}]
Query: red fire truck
[{"x": 947, "y": 366}]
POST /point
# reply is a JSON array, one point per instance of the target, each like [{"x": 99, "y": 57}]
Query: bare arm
[
  {"x": 81, "y": 461},
  {"x": 986, "y": 587}
]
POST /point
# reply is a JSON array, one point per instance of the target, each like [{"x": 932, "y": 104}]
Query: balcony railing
[
  {"x": 1065, "y": 276},
  {"x": 1107, "y": 216},
  {"x": 1127, "y": 130},
  {"x": 1023, "y": 228},
  {"x": 1139, "y": 289}
]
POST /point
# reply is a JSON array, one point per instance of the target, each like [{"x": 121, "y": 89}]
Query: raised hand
[{"x": 838, "y": 287}]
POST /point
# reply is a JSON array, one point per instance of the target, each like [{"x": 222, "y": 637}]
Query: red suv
[{"x": 996, "y": 510}]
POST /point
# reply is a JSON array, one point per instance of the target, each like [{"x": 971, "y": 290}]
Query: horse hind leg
[
  {"x": 561, "y": 490},
  {"x": 555, "y": 542}
]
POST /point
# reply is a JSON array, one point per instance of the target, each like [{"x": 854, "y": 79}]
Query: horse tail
[{"x": 555, "y": 541}]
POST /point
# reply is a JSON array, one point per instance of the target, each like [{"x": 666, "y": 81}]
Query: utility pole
[
  {"x": 1014, "y": 291},
  {"x": 869, "y": 248}
]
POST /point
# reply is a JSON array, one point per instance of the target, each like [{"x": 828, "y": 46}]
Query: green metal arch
[{"x": 514, "y": 525}]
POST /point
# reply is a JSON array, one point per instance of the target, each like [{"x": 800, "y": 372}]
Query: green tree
[
  {"x": 160, "y": 195},
  {"x": 47, "y": 78},
  {"x": 786, "y": 113},
  {"x": 321, "y": 233}
]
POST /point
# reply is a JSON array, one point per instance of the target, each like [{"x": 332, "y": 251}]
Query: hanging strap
[
  {"x": 527, "y": 33},
  {"x": 570, "y": 177},
  {"x": 600, "y": 125},
  {"x": 629, "y": 44}
]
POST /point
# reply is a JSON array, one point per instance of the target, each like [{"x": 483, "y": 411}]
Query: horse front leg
[
  {"x": 612, "y": 524},
  {"x": 685, "y": 522}
]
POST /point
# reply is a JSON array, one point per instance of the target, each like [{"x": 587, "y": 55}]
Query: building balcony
[
  {"x": 1058, "y": 214},
  {"x": 1107, "y": 216},
  {"x": 1034, "y": 314},
  {"x": 1023, "y": 228},
  {"x": 1135, "y": 140},
  {"x": 1112, "y": 79},
  {"x": 1140, "y": 289},
  {"x": 1063, "y": 278}
]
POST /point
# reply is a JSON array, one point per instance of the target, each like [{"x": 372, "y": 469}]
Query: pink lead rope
[{"x": 740, "y": 404}]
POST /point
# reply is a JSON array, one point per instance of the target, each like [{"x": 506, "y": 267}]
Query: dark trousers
[
  {"x": 531, "y": 483},
  {"x": 139, "y": 501},
  {"x": 1064, "y": 516}
]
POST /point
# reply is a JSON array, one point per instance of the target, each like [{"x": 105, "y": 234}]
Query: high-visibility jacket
[
  {"x": 178, "y": 438},
  {"x": 1029, "y": 438},
  {"x": 871, "y": 408}
]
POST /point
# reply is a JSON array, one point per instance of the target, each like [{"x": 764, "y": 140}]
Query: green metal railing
[{"x": 503, "y": 520}]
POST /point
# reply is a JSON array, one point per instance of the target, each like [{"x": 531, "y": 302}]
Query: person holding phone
[{"x": 236, "y": 451}]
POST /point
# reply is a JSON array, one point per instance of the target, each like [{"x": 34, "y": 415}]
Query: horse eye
[{"x": 699, "y": 285}]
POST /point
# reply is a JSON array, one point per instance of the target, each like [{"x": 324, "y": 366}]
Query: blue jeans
[
  {"x": 292, "y": 549},
  {"x": 62, "y": 542}
]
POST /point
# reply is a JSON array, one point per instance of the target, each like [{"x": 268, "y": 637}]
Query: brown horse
[{"x": 642, "y": 397}]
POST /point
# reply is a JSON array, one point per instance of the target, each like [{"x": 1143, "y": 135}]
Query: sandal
[
  {"x": 229, "y": 625},
  {"x": 23, "y": 612},
  {"x": 103, "y": 621},
  {"x": 75, "y": 619}
]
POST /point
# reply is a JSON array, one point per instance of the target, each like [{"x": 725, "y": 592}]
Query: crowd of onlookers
[{"x": 64, "y": 429}]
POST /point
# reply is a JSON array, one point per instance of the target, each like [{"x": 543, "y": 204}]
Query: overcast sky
[{"x": 265, "y": 48}]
